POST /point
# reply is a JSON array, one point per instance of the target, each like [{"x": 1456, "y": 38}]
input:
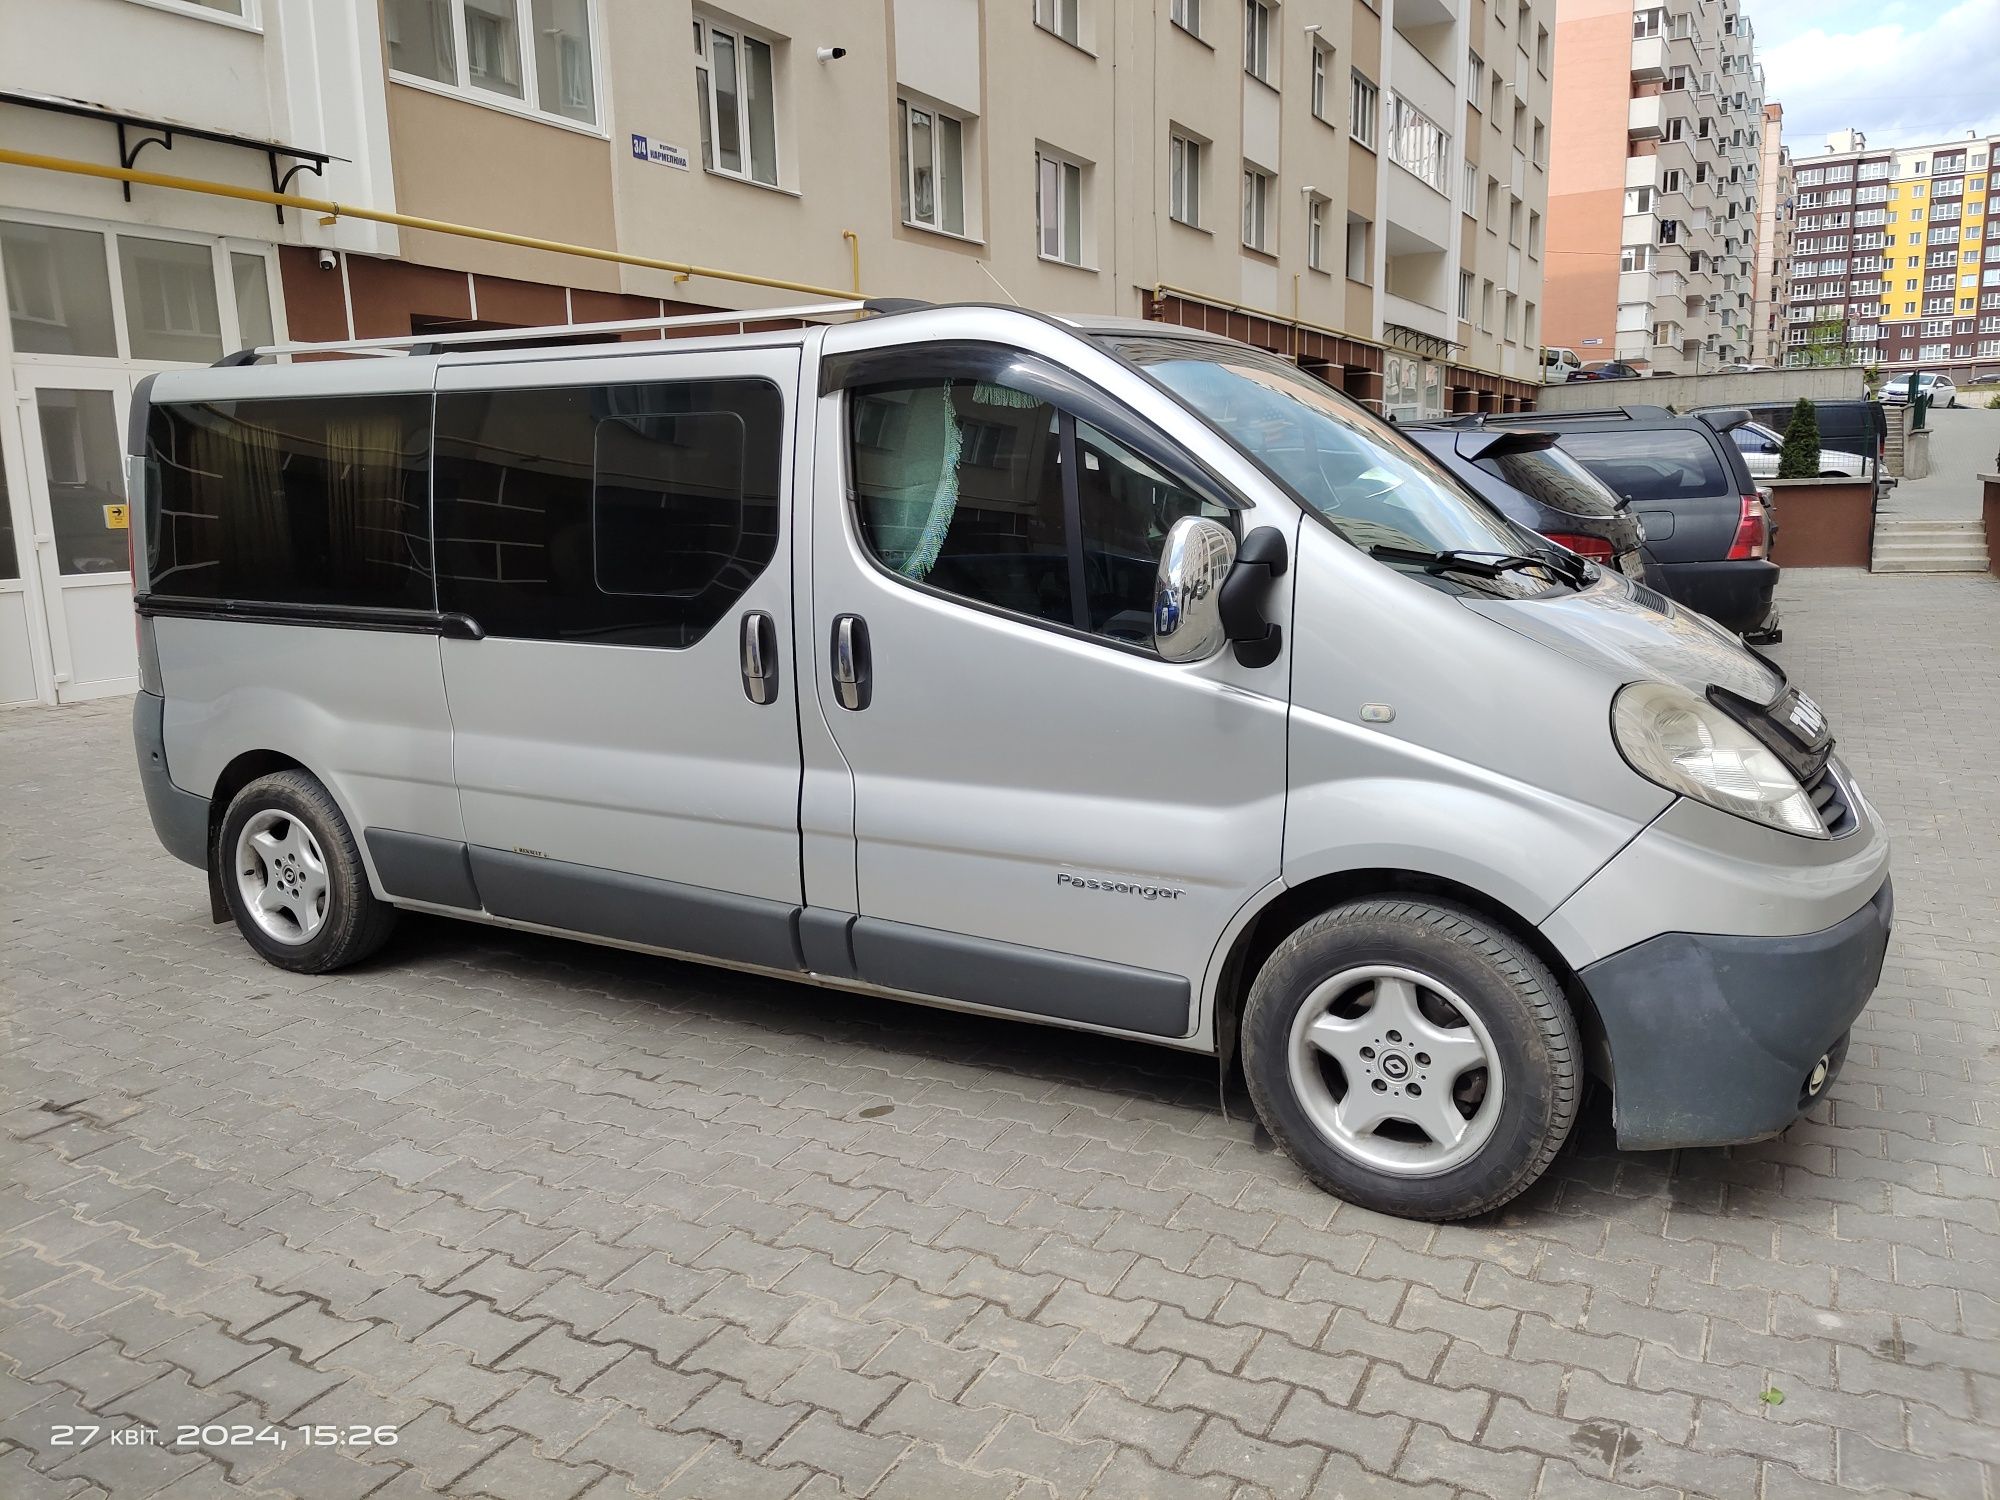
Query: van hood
[{"x": 1638, "y": 634}]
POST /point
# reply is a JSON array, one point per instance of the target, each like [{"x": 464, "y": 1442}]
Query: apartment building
[
  {"x": 1896, "y": 259},
  {"x": 1653, "y": 229},
  {"x": 1359, "y": 186},
  {"x": 1768, "y": 323}
]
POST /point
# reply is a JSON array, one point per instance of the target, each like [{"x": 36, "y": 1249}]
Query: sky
[{"x": 1905, "y": 73}]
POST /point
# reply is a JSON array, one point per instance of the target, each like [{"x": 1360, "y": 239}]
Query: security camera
[
  {"x": 831, "y": 54},
  {"x": 328, "y": 260}
]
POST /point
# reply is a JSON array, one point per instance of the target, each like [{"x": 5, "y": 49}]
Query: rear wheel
[
  {"x": 1413, "y": 1057},
  {"x": 293, "y": 877}
]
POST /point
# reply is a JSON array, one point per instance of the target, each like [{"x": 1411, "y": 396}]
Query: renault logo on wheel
[{"x": 1395, "y": 1065}]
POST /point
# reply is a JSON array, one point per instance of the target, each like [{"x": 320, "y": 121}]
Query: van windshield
[{"x": 1367, "y": 481}]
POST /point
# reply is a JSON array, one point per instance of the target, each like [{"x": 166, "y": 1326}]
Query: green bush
[
  {"x": 1799, "y": 458},
  {"x": 1993, "y": 402}
]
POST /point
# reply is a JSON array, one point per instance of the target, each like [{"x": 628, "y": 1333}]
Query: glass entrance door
[
  {"x": 18, "y": 677},
  {"x": 80, "y": 525}
]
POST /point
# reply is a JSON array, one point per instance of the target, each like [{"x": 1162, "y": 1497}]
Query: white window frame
[
  {"x": 1050, "y": 16},
  {"x": 1475, "y": 80},
  {"x": 706, "y": 28},
  {"x": 1258, "y": 190},
  {"x": 1186, "y": 14},
  {"x": 528, "y": 106},
  {"x": 1063, "y": 163},
  {"x": 1363, "y": 230},
  {"x": 1322, "y": 76},
  {"x": 1316, "y": 207},
  {"x": 1465, "y": 283},
  {"x": 1259, "y": 32},
  {"x": 1185, "y": 162},
  {"x": 1364, "y": 108},
  {"x": 252, "y": 18},
  {"x": 907, "y": 108}
]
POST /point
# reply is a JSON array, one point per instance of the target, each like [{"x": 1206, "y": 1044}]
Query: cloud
[{"x": 1902, "y": 82}]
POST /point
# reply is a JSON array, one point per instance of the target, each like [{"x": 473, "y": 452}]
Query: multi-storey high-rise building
[
  {"x": 1359, "y": 184},
  {"x": 1774, "y": 241},
  {"x": 1896, "y": 259},
  {"x": 1653, "y": 228}
]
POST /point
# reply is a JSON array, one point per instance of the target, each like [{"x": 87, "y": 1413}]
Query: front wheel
[
  {"x": 1413, "y": 1057},
  {"x": 294, "y": 879}
]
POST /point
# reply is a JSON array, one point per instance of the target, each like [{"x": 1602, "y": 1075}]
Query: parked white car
[
  {"x": 1558, "y": 365},
  {"x": 1761, "y": 447},
  {"x": 1939, "y": 389}
]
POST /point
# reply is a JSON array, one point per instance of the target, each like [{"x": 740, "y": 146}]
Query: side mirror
[{"x": 1187, "y": 602}]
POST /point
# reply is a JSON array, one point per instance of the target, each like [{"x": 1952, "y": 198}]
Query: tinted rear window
[
  {"x": 1555, "y": 479},
  {"x": 1664, "y": 465},
  {"x": 320, "y": 500}
]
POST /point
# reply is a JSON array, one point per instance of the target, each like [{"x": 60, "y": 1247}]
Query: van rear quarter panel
[{"x": 363, "y": 710}]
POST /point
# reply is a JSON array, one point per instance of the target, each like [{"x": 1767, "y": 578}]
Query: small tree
[{"x": 1799, "y": 458}]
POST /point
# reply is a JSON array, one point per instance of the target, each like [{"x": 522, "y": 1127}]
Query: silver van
[{"x": 1106, "y": 674}]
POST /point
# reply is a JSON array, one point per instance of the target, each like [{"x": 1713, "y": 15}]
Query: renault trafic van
[{"x": 1105, "y": 674}]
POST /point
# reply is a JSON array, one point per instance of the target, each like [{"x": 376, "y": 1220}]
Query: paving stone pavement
[{"x": 567, "y": 1221}]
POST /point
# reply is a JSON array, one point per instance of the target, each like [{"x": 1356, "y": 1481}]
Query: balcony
[
  {"x": 1646, "y": 118},
  {"x": 1649, "y": 58}
]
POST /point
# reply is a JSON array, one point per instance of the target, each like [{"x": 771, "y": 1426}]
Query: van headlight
[{"x": 1688, "y": 745}]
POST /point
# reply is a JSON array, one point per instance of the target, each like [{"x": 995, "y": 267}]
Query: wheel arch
[
  {"x": 244, "y": 768},
  {"x": 1294, "y": 906}
]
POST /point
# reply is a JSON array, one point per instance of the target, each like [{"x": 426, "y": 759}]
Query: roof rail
[
  {"x": 432, "y": 343},
  {"x": 1634, "y": 412}
]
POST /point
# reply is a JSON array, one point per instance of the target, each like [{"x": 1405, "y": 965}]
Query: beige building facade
[
  {"x": 1768, "y": 321},
  {"x": 1653, "y": 228}
]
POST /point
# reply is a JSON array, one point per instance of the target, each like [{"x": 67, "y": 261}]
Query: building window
[
  {"x": 1063, "y": 17},
  {"x": 1542, "y": 50},
  {"x": 1059, "y": 208},
  {"x": 1184, "y": 186},
  {"x": 1362, "y": 108},
  {"x": 1486, "y": 307},
  {"x": 1498, "y": 94},
  {"x": 1257, "y": 39},
  {"x": 1471, "y": 188},
  {"x": 1636, "y": 258},
  {"x": 1186, "y": 14},
  {"x": 1534, "y": 234},
  {"x": 933, "y": 168},
  {"x": 1322, "y": 70},
  {"x": 1465, "y": 296},
  {"x": 735, "y": 79},
  {"x": 1316, "y": 233},
  {"x": 1418, "y": 146},
  {"x": 1360, "y": 257},
  {"x": 475, "y": 47},
  {"x": 1541, "y": 144},
  {"x": 1256, "y": 209},
  {"x": 1475, "y": 78}
]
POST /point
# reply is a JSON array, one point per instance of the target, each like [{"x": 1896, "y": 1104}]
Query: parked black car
[
  {"x": 1608, "y": 369},
  {"x": 1707, "y": 527},
  {"x": 1532, "y": 481},
  {"x": 1856, "y": 426}
]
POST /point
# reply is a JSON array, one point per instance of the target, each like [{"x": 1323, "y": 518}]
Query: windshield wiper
[{"x": 1571, "y": 570}]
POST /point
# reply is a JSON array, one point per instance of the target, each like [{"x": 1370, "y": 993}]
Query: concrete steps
[{"x": 1912, "y": 545}]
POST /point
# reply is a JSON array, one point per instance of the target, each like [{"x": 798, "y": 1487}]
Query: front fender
[{"x": 1406, "y": 808}]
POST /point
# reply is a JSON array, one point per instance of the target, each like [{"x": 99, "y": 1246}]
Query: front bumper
[{"x": 1712, "y": 1038}]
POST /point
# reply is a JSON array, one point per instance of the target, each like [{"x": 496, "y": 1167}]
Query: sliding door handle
[
  {"x": 760, "y": 657},
  {"x": 852, "y": 685}
]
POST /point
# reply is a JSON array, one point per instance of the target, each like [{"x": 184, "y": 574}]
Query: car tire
[
  {"x": 293, "y": 878},
  {"x": 1378, "y": 1000}
]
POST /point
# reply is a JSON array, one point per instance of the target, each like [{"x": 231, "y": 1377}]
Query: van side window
[
  {"x": 963, "y": 485},
  {"x": 630, "y": 514},
  {"x": 317, "y": 500}
]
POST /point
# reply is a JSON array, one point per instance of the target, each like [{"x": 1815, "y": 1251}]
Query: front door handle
[
  {"x": 760, "y": 657},
  {"x": 852, "y": 687}
]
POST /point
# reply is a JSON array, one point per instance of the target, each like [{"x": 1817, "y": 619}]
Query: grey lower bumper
[
  {"x": 1712, "y": 1037},
  {"x": 179, "y": 818}
]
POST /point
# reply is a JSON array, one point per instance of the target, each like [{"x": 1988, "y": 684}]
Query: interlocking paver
[{"x": 575, "y": 1219}]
